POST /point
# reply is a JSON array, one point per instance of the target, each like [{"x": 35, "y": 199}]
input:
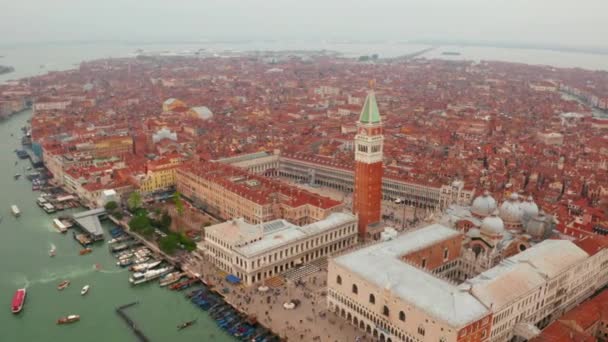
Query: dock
[
  {"x": 120, "y": 311},
  {"x": 89, "y": 222}
]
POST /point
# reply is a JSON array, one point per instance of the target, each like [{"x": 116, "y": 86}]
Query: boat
[
  {"x": 18, "y": 300},
  {"x": 170, "y": 278},
  {"x": 125, "y": 262},
  {"x": 68, "y": 319},
  {"x": 53, "y": 251},
  {"x": 17, "y": 176},
  {"x": 85, "y": 251},
  {"x": 119, "y": 248},
  {"x": 145, "y": 266},
  {"x": 60, "y": 226},
  {"x": 49, "y": 208},
  {"x": 63, "y": 285},
  {"x": 140, "y": 278},
  {"x": 185, "y": 324},
  {"x": 41, "y": 201},
  {"x": 15, "y": 210},
  {"x": 84, "y": 290}
]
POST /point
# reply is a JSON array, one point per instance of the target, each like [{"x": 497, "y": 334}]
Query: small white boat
[
  {"x": 15, "y": 210},
  {"x": 53, "y": 251},
  {"x": 84, "y": 290}
]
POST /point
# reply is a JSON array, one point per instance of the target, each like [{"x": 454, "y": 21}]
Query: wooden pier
[{"x": 120, "y": 311}]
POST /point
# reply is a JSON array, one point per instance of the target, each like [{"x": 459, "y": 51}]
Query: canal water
[{"x": 25, "y": 262}]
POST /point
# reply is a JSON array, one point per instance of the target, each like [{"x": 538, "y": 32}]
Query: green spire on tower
[{"x": 370, "y": 112}]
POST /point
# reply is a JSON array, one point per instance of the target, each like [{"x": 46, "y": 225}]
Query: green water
[{"x": 24, "y": 262}]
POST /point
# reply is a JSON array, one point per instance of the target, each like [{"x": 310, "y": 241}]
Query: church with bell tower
[{"x": 368, "y": 165}]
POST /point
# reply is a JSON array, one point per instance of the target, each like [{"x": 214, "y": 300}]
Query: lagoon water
[{"x": 24, "y": 262}]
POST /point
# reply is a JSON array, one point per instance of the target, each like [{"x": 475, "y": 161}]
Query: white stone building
[
  {"x": 393, "y": 300},
  {"x": 257, "y": 252}
]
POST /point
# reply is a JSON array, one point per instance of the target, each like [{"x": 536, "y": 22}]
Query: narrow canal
[{"x": 25, "y": 262}]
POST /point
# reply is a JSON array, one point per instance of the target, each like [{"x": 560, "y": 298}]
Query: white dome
[
  {"x": 483, "y": 205},
  {"x": 529, "y": 209},
  {"x": 510, "y": 210},
  {"x": 492, "y": 225}
]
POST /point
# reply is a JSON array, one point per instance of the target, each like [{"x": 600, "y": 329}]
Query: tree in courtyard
[
  {"x": 134, "y": 201},
  {"x": 188, "y": 243},
  {"x": 139, "y": 223},
  {"x": 165, "y": 221},
  {"x": 179, "y": 203},
  {"x": 169, "y": 243},
  {"x": 111, "y": 206}
]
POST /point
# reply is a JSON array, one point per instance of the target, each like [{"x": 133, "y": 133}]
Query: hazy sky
[{"x": 564, "y": 22}]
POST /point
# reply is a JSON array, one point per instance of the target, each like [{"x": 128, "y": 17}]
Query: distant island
[
  {"x": 450, "y": 53},
  {"x": 6, "y": 69}
]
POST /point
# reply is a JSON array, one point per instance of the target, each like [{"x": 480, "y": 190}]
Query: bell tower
[{"x": 368, "y": 164}]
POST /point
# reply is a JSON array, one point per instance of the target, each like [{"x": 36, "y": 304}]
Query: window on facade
[
  {"x": 339, "y": 280},
  {"x": 385, "y": 311},
  {"x": 421, "y": 330},
  {"x": 372, "y": 299},
  {"x": 423, "y": 263},
  {"x": 402, "y": 316},
  {"x": 446, "y": 254},
  {"x": 355, "y": 289}
]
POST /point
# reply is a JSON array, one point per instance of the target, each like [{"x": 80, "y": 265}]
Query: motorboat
[
  {"x": 145, "y": 266},
  {"x": 63, "y": 285},
  {"x": 15, "y": 210},
  {"x": 68, "y": 319},
  {"x": 186, "y": 324},
  {"x": 170, "y": 278},
  {"x": 140, "y": 278},
  {"x": 18, "y": 300},
  {"x": 85, "y": 251},
  {"x": 85, "y": 290}
]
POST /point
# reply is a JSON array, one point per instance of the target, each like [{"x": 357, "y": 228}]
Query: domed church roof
[
  {"x": 483, "y": 205},
  {"x": 529, "y": 208},
  {"x": 492, "y": 225},
  {"x": 510, "y": 210}
]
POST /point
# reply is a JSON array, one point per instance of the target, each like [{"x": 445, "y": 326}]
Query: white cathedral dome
[
  {"x": 483, "y": 205},
  {"x": 529, "y": 209},
  {"x": 510, "y": 210},
  {"x": 492, "y": 225}
]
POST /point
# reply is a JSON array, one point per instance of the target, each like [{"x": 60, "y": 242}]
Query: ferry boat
[
  {"x": 60, "y": 226},
  {"x": 145, "y": 266},
  {"x": 15, "y": 210},
  {"x": 140, "y": 278},
  {"x": 63, "y": 285},
  {"x": 85, "y": 251},
  {"x": 170, "y": 278},
  {"x": 85, "y": 290},
  {"x": 41, "y": 201},
  {"x": 49, "y": 208},
  {"x": 18, "y": 300},
  {"x": 68, "y": 319}
]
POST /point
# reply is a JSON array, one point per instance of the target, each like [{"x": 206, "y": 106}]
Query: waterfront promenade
[{"x": 309, "y": 321}]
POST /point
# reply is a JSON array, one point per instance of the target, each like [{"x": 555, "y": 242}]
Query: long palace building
[
  {"x": 399, "y": 290},
  {"x": 321, "y": 171},
  {"x": 228, "y": 192}
]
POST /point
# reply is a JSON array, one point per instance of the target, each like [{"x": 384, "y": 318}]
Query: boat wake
[
  {"x": 22, "y": 281},
  {"x": 50, "y": 277}
]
